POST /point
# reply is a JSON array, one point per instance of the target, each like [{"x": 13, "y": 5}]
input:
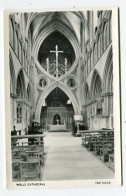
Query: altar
[{"x": 58, "y": 127}]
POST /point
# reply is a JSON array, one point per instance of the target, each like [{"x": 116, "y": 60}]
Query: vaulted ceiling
[{"x": 37, "y": 21}]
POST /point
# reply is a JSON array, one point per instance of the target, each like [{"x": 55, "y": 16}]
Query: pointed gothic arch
[
  {"x": 108, "y": 74},
  {"x": 20, "y": 88},
  {"x": 105, "y": 35},
  {"x": 86, "y": 93},
  {"x": 32, "y": 16},
  {"x": 28, "y": 92},
  {"x": 16, "y": 43},
  {"x": 96, "y": 85},
  {"x": 12, "y": 75},
  {"x": 20, "y": 51},
  {"x": 42, "y": 98},
  {"x": 11, "y": 33}
]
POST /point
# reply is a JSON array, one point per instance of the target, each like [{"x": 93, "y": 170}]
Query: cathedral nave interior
[{"x": 61, "y": 87}]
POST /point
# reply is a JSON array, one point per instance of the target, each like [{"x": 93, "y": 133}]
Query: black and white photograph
[{"x": 62, "y": 98}]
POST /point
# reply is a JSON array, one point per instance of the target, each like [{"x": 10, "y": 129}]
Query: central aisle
[{"x": 67, "y": 159}]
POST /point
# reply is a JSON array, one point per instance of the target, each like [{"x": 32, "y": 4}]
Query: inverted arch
[{"x": 41, "y": 100}]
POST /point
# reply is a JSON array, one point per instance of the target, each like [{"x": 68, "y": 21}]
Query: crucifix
[{"x": 56, "y": 51}]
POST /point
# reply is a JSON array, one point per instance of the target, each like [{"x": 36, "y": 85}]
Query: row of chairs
[
  {"x": 27, "y": 161},
  {"x": 101, "y": 145}
]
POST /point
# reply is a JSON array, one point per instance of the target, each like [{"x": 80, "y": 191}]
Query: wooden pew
[
  {"x": 111, "y": 161},
  {"x": 27, "y": 157},
  {"x": 86, "y": 138},
  {"x": 16, "y": 170},
  {"x": 38, "y": 137},
  {"x": 30, "y": 170},
  {"x": 24, "y": 163},
  {"x": 106, "y": 150},
  {"x": 31, "y": 167},
  {"x": 39, "y": 147},
  {"x": 100, "y": 142}
]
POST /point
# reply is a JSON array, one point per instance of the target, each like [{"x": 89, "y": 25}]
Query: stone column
[
  {"x": 79, "y": 77},
  {"x": 33, "y": 81},
  {"x": 82, "y": 40}
]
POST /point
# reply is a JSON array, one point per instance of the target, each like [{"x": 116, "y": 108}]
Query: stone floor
[{"x": 67, "y": 159}]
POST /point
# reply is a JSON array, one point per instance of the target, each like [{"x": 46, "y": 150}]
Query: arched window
[
  {"x": 12, "y": 75},
  {"x": 95, "y": 53},
  {"x": 29, "y": 43},
  {"x": 88, "y": 61},
  {"x": 20, "y": 52},
  {"x": 28, "y": 93},
  {"x": 19, "y": 114},
  {"x": 29, "y": 71},
  {"x": 11, "y": 33},
  {"x": 105, "y": 36},
  {"x": 23, "y": 62},
  {"x": 108, "y": 83},
  {"x": 92, "y": 63},
  {"x": 97, "y": 87},
  {"x": 99, "y": 46},
  {"x": 108, "y": 74},
  {"x": 16, "y": 43},
  {"x": 86, "y": 69},
  {"x": 110, "y": 28},
  {"x": 28, "y": 68},
  {"x": 96, "y": 93},
  {"x": 109, "y": 79},
  {"x": 86, "y": 94},
  {"x": 26, "y": 63},
  {"x": 101, "y": 49},
  {"x": 26, "y": 118},
  {"x": 111, "y": 83},
  {"x": 20, "y": 90},
  {"x": 84, "y": 73}
]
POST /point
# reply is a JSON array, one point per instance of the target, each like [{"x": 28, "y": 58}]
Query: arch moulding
[
  {"x": 108, "y": 68},
  {"x": 61, "y": 28},
  {"x": 41, "y": 100},
  {"x": 93, "y": 79}
]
